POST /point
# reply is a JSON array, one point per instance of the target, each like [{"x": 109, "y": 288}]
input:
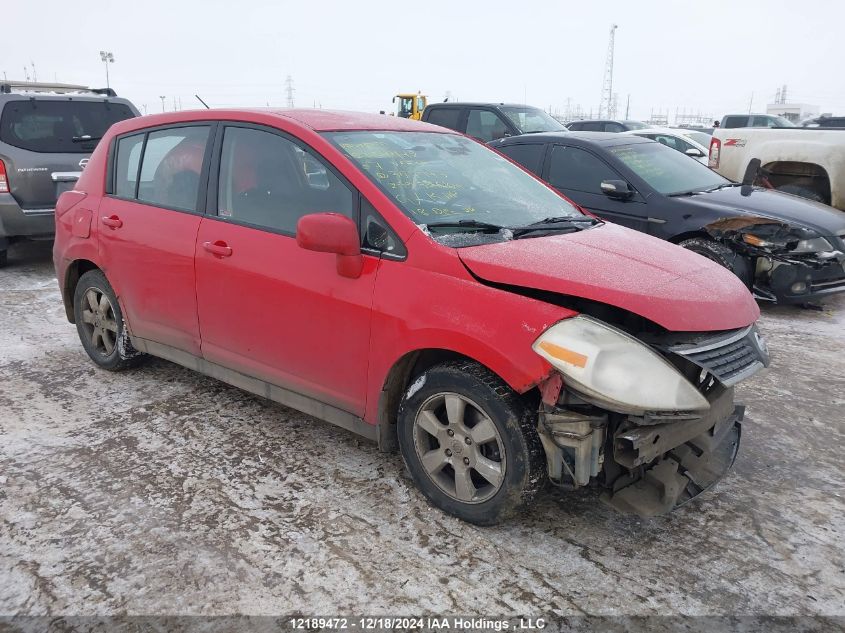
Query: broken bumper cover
[
  {"x": 675, "y": 462},
  {"x": 797, "y": 283}
]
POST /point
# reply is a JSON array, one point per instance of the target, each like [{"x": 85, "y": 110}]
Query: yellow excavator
[{"x": 410, "y": 106}]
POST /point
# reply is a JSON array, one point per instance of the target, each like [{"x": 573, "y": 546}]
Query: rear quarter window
[
  {"x": 59, "y": 127},
  {"x": 447, "y": 117}
]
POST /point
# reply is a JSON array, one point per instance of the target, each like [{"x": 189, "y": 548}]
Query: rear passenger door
[
  {"x": 268, "y": 308},
  {"x": 148, "y": 223},
  {"x": 578, "y": 174}
]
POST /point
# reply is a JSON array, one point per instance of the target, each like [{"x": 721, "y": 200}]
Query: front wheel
[
  {"x": 722, "y": 255},
  {"x": 470, "y": 443},
  {"x": 100, "y": 323}
]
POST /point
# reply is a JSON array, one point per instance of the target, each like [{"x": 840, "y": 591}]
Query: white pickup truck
[{"x": 808, "y": 162}]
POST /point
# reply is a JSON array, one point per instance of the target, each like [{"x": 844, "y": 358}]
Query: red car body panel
[
  {"x": 309, "y": 332},
  {"x": 614, "y": 265},
  {"x": 150, "y": 239},
  {"x": 336, "y": 338}
]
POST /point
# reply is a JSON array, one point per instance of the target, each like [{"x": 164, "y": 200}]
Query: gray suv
[{"x": 47, "y": 134}]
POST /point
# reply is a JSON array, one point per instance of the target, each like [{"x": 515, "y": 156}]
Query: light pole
[
  {"x": 107, "y": 58},
  {"x": 162, "y": 102}
]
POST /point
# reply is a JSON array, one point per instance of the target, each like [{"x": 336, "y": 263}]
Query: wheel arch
[
  {"x": 688, "y": 235},
  {"x": 74, "y": 271},
  {"x": 809, "y": 174},
  {"x": 399, "y": 377}
]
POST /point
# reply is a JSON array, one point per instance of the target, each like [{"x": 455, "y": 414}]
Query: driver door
[{"x": 578, "y": 174}]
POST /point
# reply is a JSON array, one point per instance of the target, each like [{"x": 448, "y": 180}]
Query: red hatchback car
[{"x": 412, "y": 285}]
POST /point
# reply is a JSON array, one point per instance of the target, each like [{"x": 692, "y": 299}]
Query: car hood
[
  {"x": 771, "y": 204},
  {"x": 664, "y": 283}
]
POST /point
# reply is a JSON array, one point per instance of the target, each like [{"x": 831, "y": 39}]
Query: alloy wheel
[
  {"x": 99, "y": 321},
  {"x": 459, "y": 447}
]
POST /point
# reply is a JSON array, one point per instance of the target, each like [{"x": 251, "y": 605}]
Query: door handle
[
  {"x": 218, "y": 248},
  {"x": 112, "y": 221}
]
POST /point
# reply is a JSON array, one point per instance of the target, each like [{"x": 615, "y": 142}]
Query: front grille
[{"x": 729, "y": 357}]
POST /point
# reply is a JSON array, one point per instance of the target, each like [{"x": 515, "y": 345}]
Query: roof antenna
[{"x": 202, "y": 102}]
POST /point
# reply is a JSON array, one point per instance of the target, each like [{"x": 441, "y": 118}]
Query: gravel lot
[{"x": 160, "y": 491}]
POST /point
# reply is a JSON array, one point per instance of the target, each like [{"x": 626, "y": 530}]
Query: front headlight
[
  {"x": 614, "y": 369},
  {"x": 814, "y": 245}
]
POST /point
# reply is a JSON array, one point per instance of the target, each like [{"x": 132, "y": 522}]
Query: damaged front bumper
[
  {"x": 782, "y": 272},
  {"x": 646, "y": 466},
  {"x": 652, "y": 462},
  {"x": 671, "y": 464}
]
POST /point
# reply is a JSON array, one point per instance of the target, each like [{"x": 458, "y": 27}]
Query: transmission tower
[
  {"x": 289, "y": 89},
  {"x": 607, "y": 105}
]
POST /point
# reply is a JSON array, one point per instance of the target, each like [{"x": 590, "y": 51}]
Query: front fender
[{"x": 442, "y": 312}]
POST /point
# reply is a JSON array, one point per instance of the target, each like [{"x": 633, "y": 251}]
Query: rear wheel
[
  {"x": 100, "y": 323},
  {"x": 470, "y": 443}
]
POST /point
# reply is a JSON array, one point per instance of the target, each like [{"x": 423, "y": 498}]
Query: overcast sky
[{"x": 709, "y": 56}]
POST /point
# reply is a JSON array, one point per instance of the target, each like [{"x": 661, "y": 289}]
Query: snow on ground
[{"x": 161, "y": 491}]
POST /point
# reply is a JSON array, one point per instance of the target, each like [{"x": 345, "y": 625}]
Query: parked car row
[{"x": 419, "y": 288}]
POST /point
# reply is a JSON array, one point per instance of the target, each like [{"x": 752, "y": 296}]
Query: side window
[
  {"x": 670, "y": 141},
  {"x": 735, "y": 121},
  {"x": 575, "y": 127},
  {"x": 171, "y": 167},
  {"x": 574, "y": 168},
  {"x": 447, "y": 117},
  {"x": 593, "y": 126},
  {"x": 377, "y": 234},
  {"x": 271, "y": 182},
  {"x": 529, "y": 155},
  {"x": 613, "y": 127},
  {"x": 485, "y": 125},
  {"x": 126, "y": 167}
]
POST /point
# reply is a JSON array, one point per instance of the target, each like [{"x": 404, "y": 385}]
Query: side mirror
[
  {"x": 695, "y": 153},
  {"x": 616, "y": 189},
  {"x": 332, "y": 233}
]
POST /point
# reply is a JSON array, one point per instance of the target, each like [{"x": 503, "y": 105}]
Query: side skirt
[{"x": 259, "y": 387}]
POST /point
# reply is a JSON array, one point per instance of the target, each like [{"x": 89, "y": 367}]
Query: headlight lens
[
  {"x": 815, "y": 245},
  {"x": 615, "y": 369}
]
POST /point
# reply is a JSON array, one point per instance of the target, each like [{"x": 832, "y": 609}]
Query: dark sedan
[{"x": 787, "y": 249}]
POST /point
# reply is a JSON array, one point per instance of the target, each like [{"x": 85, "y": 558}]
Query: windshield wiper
[
  {"x": 84, "y": 138},
  {"x": 466, "y": 224},
  {"x": 559, "y": 224},
  {"x": 695, "y": 192},
  {"x": 723, "y": 186}
]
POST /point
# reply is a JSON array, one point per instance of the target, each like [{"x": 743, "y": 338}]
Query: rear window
[{"x": 59, "y": 127}]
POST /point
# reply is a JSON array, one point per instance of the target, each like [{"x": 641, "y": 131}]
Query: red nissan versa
[{"x": 410, "y": 284}]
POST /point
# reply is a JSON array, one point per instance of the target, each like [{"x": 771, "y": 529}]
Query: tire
[
  {"x": 713, "y": 251},
  {"x": 803, "y": 192},
  {"x": 4, "y": 258},
  {"x": 470, "y": 443},
  {"x": 100, "y": 324},
  {"x": 739, "y": 265}
]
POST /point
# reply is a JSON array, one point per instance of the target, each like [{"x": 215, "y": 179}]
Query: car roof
[
  {"x": 604, "y": 139},
  {"x": 317, "y": 120},
  {"x": 479, "y": 104}
]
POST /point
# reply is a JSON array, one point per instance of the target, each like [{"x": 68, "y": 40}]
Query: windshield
[
  {"x": 779, "y": 121},
  {"x": 530, "y": 120},
  {"x": 49, "y": 125},
  {"x": 699, "y": 137},
  {"x": 666, "y": 170},
  {"x": 436, "y": 178}
]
